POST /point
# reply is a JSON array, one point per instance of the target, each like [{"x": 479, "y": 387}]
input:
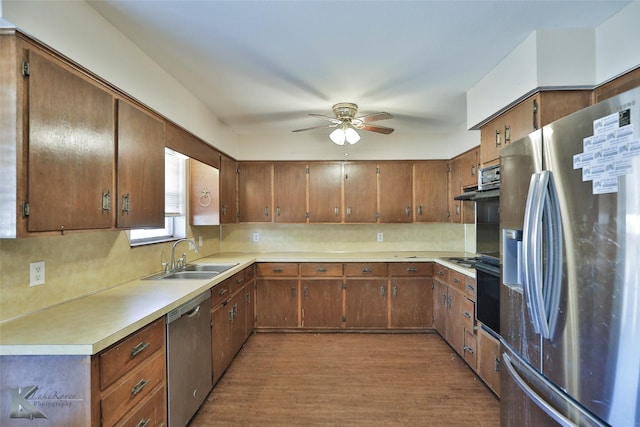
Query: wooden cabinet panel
[
  {"x": 365, "y": 269},
  {"x": 618, "y": 85},
  {"x": 360, "y": 190},
  {"x": 222, "y": 338},
  {"x": 321, "y": 269},
  {"x": 410, "y": 269},
  {"x": 489, "y": 360},
  {"x": 430, "y": 191},
  {"x": 469, "y": 164},
  {"x": 250, "y": 301},
  {"x": 456, "y": 320},
  {"x": 290, "y": 192},
  {"x": 140, "y": 168},
  {"x": 71, "y": 149},
  {"x": 455, "y": 188},
  {"x": 277, "y": 269},
  {"x": 440, "y": 307},
  {"x": 410, "y": 301},
  {"x": 277, "y": 303},
  {"x": 395, "y": 192},
  {"x": 255, "y": 182},
  {"x": 366, "y": 303},
  {"x": 151, "y": 413},
  {"x": 228, "y": 190},
  {"x": 325, "y": 192},
  {"x": 204, "y": 202},
  {"x": 321, "y": 303},
  {"x": 470, "y": 349}
]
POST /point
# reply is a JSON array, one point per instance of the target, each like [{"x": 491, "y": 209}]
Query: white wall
[
  {"x": 76, "y": 30},
  {"x": 559, "y": 58}
]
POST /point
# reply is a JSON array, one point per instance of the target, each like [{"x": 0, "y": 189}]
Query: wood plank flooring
[{"x": 349, "y": 379}]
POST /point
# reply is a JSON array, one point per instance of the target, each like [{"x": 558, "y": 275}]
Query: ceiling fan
[{"x": 346, "y": 123}]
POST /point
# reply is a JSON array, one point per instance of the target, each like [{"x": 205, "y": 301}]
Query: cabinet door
[
  {"x": 411, "y": 302},
  {"x": 440, "y": 307},
  {"x": 325, "y": 188},
  {"x": 395, "y": 190},
  {"x": 239, "y": 322},
  {"x": 366, "y": 303},
  {"x": 204, "y": 203},
  {"x": 321, "y": 303},
  {"x": 489, "y": 360},
  {"x": 221, "y": 341},
  {"x": 360, "y": 187},
  {"x": 277, "y": 303},
  {"x": 455, "y": 206},
  {"x": 290, "y": 192},
  {"x": 491, "y": 141},
  {"x": 455, "y": 320},
  {"x": 254, "y": 192},
  {"x": 71, "y": 149},
  {"x": 469, "y": 168},
  {"x": 228, "y": 190},
  {"x": 140, "y": 166},
  {"x": 430, "y": 191}
]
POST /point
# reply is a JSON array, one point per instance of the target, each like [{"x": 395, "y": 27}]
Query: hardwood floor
[{"x": 305, "y": 379}]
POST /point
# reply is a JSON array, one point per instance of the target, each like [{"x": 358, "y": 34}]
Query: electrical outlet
[
  {"x": 256, "y": 237},
  {"x": 380, "y": 237},
  {"x": 200, "y": 242},
  {"x": 36, "y": 273}
]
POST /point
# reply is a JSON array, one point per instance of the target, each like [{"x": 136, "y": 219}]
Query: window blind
[{"x": 173, "y": 182}]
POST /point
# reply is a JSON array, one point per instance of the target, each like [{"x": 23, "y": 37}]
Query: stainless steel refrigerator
[{"x": 570, "y": 294}]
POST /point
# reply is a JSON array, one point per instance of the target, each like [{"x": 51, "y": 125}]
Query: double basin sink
[{"x": 193, "y": 272}]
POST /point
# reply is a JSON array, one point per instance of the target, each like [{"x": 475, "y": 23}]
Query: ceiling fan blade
[
  {"x": 375, "y": 128},
  {"x": 374, "y": 117},
  {"x": 322, "y": 116},
  {"x": 315, "y": 127}
]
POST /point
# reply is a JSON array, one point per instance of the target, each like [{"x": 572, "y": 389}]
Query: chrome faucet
[{"x": 173, "y": 251}]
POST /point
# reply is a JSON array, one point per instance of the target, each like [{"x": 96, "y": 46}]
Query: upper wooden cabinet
[
  {"x": 255, "y": 184},
  {"x": 469, "y": 165},
  {"x": 325, "y": 192},
  {"x": 618, "y": 85},
  {"x": 228, "y": 190},
  {"x": 430, "y": 191},
  {"x": 71, "y": 148},
  {"x": 532, "y": 113},
  {"x": 454, "y": 188},
  {"x": 290, "y": 192},
  {"x": 140, "y": 168},
  {"x": 204, "y": 203},
  {"x": 360, "y": 192},
  {"x": 395, "y": 192}
]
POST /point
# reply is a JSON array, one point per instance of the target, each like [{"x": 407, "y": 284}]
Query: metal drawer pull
[
  {"x": 231, "y": 315},
  {"x": 381, "y": 291},
  {"x": 456, "y": 280},
  {"x": 139, "y": 386},
  {"x": 136, "y": 350},
  {"x": 412, "y": 270},
  {"x": 367, "y": 270},
  {"x": 467, "y": 315},
  {"x": 106, "y": 201},
  {"x": 222, "y": 291},
  {"x": 277, "y": 270},
  {"x": 266, "y": 211},
  {"x": 278, "y": 210},
  {"x": 336, "y": 211},
  {"x": 239, "y": 280},
  {"x": 143, "y": 423},
  {"x": 420, "y": 209},
  {"x": 471, "y": 288},
  {"x": 407, "y": 211},
  {"x": 468, "y": 349},
  {"x": 395, "y": 291},
  {"x": 321, "y": 270},
  {"x": 293, "y": 292}
]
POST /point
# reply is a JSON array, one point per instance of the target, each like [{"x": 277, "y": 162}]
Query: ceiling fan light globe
[
  {"x": 351, "y": 136},
  {"x": 338, "y": 136}
]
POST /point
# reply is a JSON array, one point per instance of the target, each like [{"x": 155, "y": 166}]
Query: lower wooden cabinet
[
  {"x": 489, "y": 360},
  {"x": 277, "y": 303},
  {"x": 321, "y": 302},
  {"x": 366, "y": 303}
]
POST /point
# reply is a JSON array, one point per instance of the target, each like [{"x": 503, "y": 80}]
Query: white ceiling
[{"x": 262, "y": 66}]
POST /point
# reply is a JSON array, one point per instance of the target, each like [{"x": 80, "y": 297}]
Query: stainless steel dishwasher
[{"x": 189, "y": 369}]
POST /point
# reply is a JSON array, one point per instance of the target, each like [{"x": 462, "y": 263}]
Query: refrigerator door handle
[
  {"x": 524, "y": 375},
  {"x": 530, "y": 234},
  {"x": 553, "y": 247}
]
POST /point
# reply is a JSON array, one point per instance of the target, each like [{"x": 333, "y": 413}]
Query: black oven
[{"x": 488, "y": 292}]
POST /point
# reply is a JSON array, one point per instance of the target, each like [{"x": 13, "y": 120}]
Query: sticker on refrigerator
[{"x": 608, "y": 153}]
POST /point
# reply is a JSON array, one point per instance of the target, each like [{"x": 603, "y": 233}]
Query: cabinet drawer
[
  {"x": 120, "y": 359},
  {"x": 277, "y": 269},
  {"x": 151, "y": 413},
  {"x": 411, "y": 269},
  {"x": 220, "y": 292},
  {"x": 456, "y": 280},
  {"x": 468, "y": 315},
  {"x": 441, "y": 274},
  {"x": 236, "y": 282},
  {"x": 470, "y": 349},
  {"x": 470, "y": 287},
  {"x": 133, "y": 389},
  {"x": 249, "y": 273},
  {"x": 321, "y": 269},
  {"x": 365, "y": 269}
]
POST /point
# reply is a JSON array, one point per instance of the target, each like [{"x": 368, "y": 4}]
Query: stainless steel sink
[{"x": 218, "y": 268}]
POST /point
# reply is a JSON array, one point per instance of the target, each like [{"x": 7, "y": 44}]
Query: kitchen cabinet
[
  {"x": 489, "y": 361},
  {"x": 204, "y": 202},
  {"x": 277, "y": 295},
  {"x": 290, "y": 192},
  {"x": 411, "y": 295},
  {"x": 454, "y": 188},
  {"x": 366, "y": 295},
  {"x": 360, "y": 192},
  {"x": 228, "y": 190},
  {"x": 325, "y": 192},
  {"x": 623, "y": 83},
  {"x": 463, "y": 173},
  {"x": 526, "y": 116},
  {"x": 321, "y": 299},
  {"x": 395, "y": 192},
  {"x": 430, "y": 194},
  {"x": 469, "y": 165},
  {"x": 250, "y": 299},
  {"x": 255, "y": 184},
  {"x": 71, "y": 148},
  {"x": 140, "y": 168}
]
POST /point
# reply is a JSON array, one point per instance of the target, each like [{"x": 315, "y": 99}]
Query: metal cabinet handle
[
  {"x": 468, "y": 349},
  {"x": 420, "y": 209},
  {"x": 467, "y": 315},
  {"x": 266, "y": 211},
  {"x": 231, "y": 315},
  {"x": 336, "y": 210},
  {"x": 367, "y": 270},
  {"x": 456, "y": 280},
  {"x": 496, "y": 364},
  {"x": 498, "y": 139},
  {"x": 412, "y": 270},
  {"x": 143, "y": 423},
  {"x": 139, "y": 386},
  {"x": 306, "y": 292},
  {"x": 507, "y": 134},
  {"x": 348, "y": 211},
  {"x": 136, "y": 350},
  {"x": 222, "y": 291},
  {"x": 106, "y": 201},
  {"x": 382, "y": 291},
  {"x": 534, "y": 111},
  {"x": 407, "y": 211},
  {"x": 471, "y": 288},
  {"x": 395, "y": 291},
  {"x": 321, "y": 270},
  {"x": 277, "y": 270},
  {"x": 125, "y": 203},
  {"x": 293, "y": 292},
  {"x": 473, "y": 170}
]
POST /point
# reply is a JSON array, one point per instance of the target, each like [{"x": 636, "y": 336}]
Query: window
[{"x": 174, "y": 204}]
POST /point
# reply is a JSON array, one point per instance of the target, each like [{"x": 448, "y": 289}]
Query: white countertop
[{"x": 88, "y": 325}]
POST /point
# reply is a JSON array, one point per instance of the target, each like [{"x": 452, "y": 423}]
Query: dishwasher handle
[{"x": 189, "y": 308}]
